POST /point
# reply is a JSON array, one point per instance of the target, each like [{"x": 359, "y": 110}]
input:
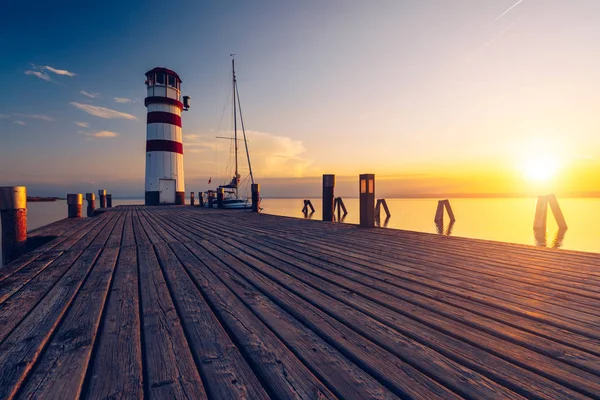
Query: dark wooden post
[
  {"x": 211, "y": 199},
  {"x": 255, "y": 197},
  {"x": 13, "y": 214},
  {"x": 201, "y": 199},
  {"x": 102, "y": 198},
  {"x": 192, "y": 200},
  {"x": 328, "y": 196},
  {"x": 74, "y": 204},
  {"x": 449, "y": 210},
  {"x": 109, "y": 201},
  {"x": 91, "y": 203},
  {"x": 439, "y": 212},
  {"x": 367, "y": 200},
  {"x": 558, "y": 215},
  {"x": 220, "y": 197},
  {"x": 541, "y": 212}
]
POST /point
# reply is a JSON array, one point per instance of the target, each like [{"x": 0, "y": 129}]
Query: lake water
[{"x": 506, "y": 220}]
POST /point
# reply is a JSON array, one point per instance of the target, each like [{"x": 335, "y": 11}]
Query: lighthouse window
[
  {"x": 160, "y": 79},
  {"x": 172, "y": 81}
]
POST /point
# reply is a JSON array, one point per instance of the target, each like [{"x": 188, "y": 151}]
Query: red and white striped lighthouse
[{"x": 164, "y": 148}]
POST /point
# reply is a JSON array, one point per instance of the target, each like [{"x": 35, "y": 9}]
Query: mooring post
[
  {"x": 255, "y": 187},
  {"x": 541, "y": 212},
  {"x": 91, "y": 203},
  {"x": 210, "y": 199},
  {"x": 558, "y": 215},
  {"x": 109, "y": 201},
  {"x": 439, "y": 213},
  {"x": 328, "y": 189},
  {"x": 13, "y": 211},
  {"x": 220, "y": 197},
  {"x": 102, "y": 198},
  {"x": 367, "y": 200},
  {"x": 192, "y": 201},
  {"x": 201, "y": 199},
  {"x": 74, "y": 204},
  {"x": 449, "y": 210}
]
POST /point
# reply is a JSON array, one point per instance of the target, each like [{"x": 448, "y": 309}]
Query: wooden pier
[{"x": 183, "y": 302}]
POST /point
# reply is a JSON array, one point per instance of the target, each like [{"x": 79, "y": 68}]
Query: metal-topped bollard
[
  {"x": 367, "y": 200},
  {"x": 211, "y": 199},
  {"x": 74, "y": 204},
  {"x": 192, "y": 200},
  {"x": 102, "y": 198},
  {"x": 13, "y": 211},
  {"x": 328, "y": 196},
  {"x": 109, "y": 201},
  {"x": 255, "y": 187},
  {"x": 201, "y": 199},
  {"x": 91, "y": 203}
]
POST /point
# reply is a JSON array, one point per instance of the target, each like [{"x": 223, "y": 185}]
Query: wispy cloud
[
  {"x": 58, "y": 71},
  {"x": 39, "y": 74},
  {"x": 90, "y": 95},
  {"x": 3, "y": 116},
  {"x": 82, "y": 124},
  {"x": 103, "y": 134},
  {"x": 122, "y": 100},
  {"x": 508, "y": 10},
  {"x": 20, "y": 123},
  {"x": 36, "y": 116},
  {"x": 103, "y": 112}
]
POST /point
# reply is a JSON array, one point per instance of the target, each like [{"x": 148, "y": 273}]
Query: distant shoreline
[{"x": 36, "y": 199}]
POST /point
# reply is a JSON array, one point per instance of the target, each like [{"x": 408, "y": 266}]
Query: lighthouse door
[{"x": 167, "y": 191}]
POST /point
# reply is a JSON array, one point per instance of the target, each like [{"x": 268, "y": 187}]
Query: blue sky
[{"x": 424, "y": 93}]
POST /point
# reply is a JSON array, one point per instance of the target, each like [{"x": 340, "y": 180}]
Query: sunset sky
[{"x": 433, "y": 96}]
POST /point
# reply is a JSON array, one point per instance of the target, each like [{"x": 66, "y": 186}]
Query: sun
[{"x": 540, "y": 168}]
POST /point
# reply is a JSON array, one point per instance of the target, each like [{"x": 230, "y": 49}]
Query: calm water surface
[{"x": 506, "y": 220}]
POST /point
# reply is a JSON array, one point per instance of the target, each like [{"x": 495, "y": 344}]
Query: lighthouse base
[{"x": 153, "y": 198}]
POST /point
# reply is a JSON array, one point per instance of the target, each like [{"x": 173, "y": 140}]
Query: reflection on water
[
  {"x": 385, "y": 221},
  {"x": 439, "y": 227},
  {"x": 541, "y": 237}
]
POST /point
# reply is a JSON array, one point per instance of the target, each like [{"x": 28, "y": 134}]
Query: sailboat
[{"x": 232, "y": 195}]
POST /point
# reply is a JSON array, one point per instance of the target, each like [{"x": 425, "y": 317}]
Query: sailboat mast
[{"x": 235, "y": 128}]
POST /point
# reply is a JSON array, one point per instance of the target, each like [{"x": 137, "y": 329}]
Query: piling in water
[{"x": 75, "y": 205}]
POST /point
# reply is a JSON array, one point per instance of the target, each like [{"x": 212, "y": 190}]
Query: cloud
[
  {"x": 103, "y": 112},
  {"x": 3, "y": 116},
  {"x": 103, "y": 134},
  {"x": 91, "y": 95},
  {"x": 58, "y": 71},
  {"x": 39, "y": 74},
  {"x": 508, "y": 10},
  {"x": 82, "y": 124},
  {"x": 122, "y": 100},
  {"x": 36, "y": 116},
  {"x": 20, "y": 123}
]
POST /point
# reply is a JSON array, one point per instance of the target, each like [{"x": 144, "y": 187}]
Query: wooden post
[
  {"x": 449, "y": 210},
  {"x": 541, "y": 211},
  {"x": 74, "y": 204},
  {"x": 102, "y": 198},
  {"x": 192, "y": 200},
  {"x": 220, "y": 197},
  {"x": 367, "y": 200},
  {"x": 255, "y": 187},
  {"x": 210, "y": 199},
  {"x": 328, "y": 198},
  {"x": 91, "y": 200},
  {"x": 439, "y": 213},
  {"x": 378, "y": 209},
  {"x": 13, "y": 214},
  {"x": 558, "y": 215},
  {"x": 201, "y": 199},
  {"x": 109, "y": 201}
]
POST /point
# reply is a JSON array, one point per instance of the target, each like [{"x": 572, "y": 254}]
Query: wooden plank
[
  {"x": 59, "y": 372},
  {"x": 282, "y": 373},
  {"x": 446, "y": 336},
  {"x": 116, "y": 368},
  {"x": 397, "y": 376},
  {"x": 21, "y": 349},
  {"x": 16, "y": 265},
  {"x": 16, "y": 307},
  {"x": 116, "y": 236},
  {"x": 168, "y": 362},
  {"x": 225, "y": 372},
  {"x": 128, "y": 235}
]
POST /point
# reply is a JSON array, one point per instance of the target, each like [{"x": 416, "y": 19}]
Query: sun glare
[{"x": 540, "y": 168}]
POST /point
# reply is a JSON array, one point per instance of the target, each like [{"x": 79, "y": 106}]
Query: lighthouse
[{"x": 164, "y": 148}]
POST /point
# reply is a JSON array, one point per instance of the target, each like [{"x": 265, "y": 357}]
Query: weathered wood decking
[{"x": 181, "y": 302}]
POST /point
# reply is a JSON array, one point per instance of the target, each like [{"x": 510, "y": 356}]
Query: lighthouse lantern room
[{"x": 164, "y": 147}]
